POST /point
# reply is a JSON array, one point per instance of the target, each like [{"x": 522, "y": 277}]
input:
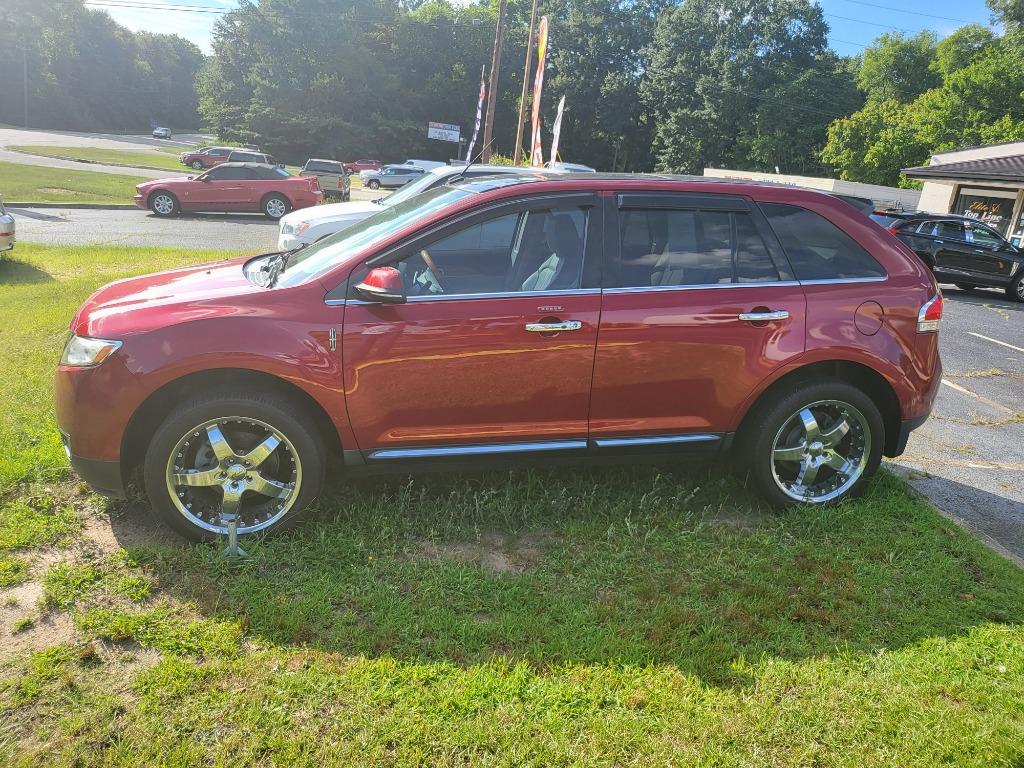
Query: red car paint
[
  {"x": 362, "y": 165},
  {"x": 205, "y": 158},
  {"x": 202, "y": 193},
  {"x": 463, "y": 372}
]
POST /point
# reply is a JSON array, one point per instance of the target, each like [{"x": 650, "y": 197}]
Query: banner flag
[
  {"x": 479, "y": 115},
  {"x": 557, "y": 130},
  {"x": 537, "y": 153}
]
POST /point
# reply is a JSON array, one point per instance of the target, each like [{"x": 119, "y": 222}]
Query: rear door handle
[
  {"x": 763, "y": 317},
  {"x": 565, "y": 325}
]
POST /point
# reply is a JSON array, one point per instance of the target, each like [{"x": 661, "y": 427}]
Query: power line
[{"x": 912, "y": 13}]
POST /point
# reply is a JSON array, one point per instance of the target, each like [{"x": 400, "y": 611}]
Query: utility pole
[
  {"x": 526, "y": 84},
  {"x": 24, "y": 75},
  {"x": 492, "y": 96}
]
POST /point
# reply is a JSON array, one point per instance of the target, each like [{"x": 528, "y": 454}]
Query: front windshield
[
  {"x": 316, "y": 259},
  {"x": 413, "y": 188}
]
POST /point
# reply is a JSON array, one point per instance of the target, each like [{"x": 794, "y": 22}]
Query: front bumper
[
  {"x": 140, "y": 201},
  {"x": 104, "y": 477},
  {"x": 906, "y": 427},
  {"x": 7, "y": 242}
]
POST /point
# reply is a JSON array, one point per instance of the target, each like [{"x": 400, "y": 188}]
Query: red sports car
[
  {"x": 207, "y": 157},
  {"x": 555, "y": 317},
  {"x": 362, "y": 165},
  {"x": 231, "y": 187}
]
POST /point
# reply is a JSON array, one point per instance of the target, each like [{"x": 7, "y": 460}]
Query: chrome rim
[
  {"x": 276, "y": 207},
  {"x": 197, "y": 165},
  {"x": 1020, "y": 289},
  {"x": 163, "y": 204},
  {"x": 821, "y": 451},
  {"x": 234, "y": 468}
]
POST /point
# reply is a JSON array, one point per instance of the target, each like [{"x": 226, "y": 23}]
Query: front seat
[{"x": 561, "y": 268}]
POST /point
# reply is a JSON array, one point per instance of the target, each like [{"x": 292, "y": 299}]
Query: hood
[
  {"x": 332, "y": 212},
  {"x": 138, "y": 304},
  {"x": 164, "y": 182}
]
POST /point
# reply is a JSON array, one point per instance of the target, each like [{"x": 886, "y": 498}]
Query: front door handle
[
  {"x": 764, "y": 317},
  {"x": 565, "y": 325}
]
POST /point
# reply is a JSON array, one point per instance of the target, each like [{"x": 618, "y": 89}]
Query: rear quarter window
[{"x": 817, "y": 248}]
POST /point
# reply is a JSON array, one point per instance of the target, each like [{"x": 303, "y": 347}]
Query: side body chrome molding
[{"x": 639, "y": 442}]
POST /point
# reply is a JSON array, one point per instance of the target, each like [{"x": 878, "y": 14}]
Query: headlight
[
  {"x": 82, "y": 352},
  {"x": 295, "y": 229}
]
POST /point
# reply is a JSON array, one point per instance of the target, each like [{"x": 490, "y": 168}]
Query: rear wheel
[
  {"x": 250, "y": 457},
  {"x": 1015, "y": 290},
  {"x": 817, "y": 443},
  {"x": 275, "y": 206},
  {"x": 163, "y": 203}
]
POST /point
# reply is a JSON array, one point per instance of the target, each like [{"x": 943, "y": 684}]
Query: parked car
[
  {"x": 390, "y": 176},
  {"x": 207, "y": 157},
  {"x": 331, "y": 175},
  {"x": 312, "y": 224},
  {"x": 7, "y": 228},
  {"x": 571, "y": 167},
  {"x": 959, "y": 250},
  {"x": 245, "y": 156},
  {"x": 362, "y": 165},
  {"x": 231, "y": 187},
  {"x": 497, "y": 320},
  {"x": 161, "y": 133},
  {"x": 426, "y": 165}
]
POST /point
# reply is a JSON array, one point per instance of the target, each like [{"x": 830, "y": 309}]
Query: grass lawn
[
  {"x": 635, "y": 616},
  {"x": 135, "y": 158},
  {"x": 39, "y": 184}
]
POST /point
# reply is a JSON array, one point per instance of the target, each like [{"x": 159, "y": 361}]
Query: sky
[{"x": 854, "y": 23}]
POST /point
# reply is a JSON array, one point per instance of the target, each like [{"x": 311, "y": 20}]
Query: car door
[
  {"x": 993, "y": 256},
  {"x": 699, "y": 307},
  {"x": 492, "y": 353},
  {"x": 208, "y": 190},
  {"x": 951, "y": 251}
]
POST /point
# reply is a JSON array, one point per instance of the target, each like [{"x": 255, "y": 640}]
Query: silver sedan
[{"x": 6, "y": 228}]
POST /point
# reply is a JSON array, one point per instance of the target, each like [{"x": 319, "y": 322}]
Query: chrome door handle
[
  {"x": 565, "y": 325},
  {"x": 763, "y": 317}
]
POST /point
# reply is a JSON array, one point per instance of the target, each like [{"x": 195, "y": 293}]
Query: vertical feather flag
[
  {"x": 537, "y": 154},
  {"x": 479, "y": 115},
  {"x": 556, "y": 131}
]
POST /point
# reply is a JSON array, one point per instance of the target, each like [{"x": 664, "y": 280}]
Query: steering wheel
[{"x": 433, "y": 269}]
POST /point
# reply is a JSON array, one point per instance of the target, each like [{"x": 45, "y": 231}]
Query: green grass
[
  {"x": 38, "y": 184},
  {"x": 134, "y": 158},
  {"x": 628, "y": 616}
]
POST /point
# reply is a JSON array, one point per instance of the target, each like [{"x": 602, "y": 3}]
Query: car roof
[
  {"x": 245, "y": 165},
  {"x": 452, "y": 170},
  {"x": 322, "y": 160}
]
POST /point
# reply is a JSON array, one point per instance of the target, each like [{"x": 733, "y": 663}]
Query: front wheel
[
  {"x": 163, "y": 204},
  {"x": 374, "y": 184},
  {"x": 250, "y": 457},
  {"x": 1015, "y": 290},
  {"x": 818, "y": 443}
]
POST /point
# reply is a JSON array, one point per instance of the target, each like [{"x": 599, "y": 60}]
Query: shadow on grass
[
  {"x": 14, "y": 272},
  {"x": 628, "y": 566}
]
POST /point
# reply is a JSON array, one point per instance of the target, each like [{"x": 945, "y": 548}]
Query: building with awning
[{"x": 985, "y": 183}]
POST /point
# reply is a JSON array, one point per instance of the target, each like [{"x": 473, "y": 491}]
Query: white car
[
  {"x": 6, "y": 229},
  {"x": 310, "y": 224},
  {"x": 161, "y": 133}
]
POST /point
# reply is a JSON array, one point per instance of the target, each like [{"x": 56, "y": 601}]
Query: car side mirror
[{"x": 384, "y": 285}]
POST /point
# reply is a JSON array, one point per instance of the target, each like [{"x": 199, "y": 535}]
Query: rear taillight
[
  {"x": 930, "y": 315},
  {"x": 892, "y": 230}
]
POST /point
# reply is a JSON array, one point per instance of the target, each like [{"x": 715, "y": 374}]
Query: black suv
[{"x": 959, "y": 250}]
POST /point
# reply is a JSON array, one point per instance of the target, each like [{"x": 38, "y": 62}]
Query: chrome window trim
[
  {"x": 467, "y": 296},
  {"x": 624, "y": 442},
  {"x": 476, "y": 450},
  {"x": 701, "y": 287}
]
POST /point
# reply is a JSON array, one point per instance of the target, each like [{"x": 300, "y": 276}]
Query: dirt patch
[{"x": 496, "y": 552}]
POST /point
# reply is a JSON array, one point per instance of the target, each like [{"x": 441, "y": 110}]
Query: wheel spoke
[
  {"x": 197, "y": 478},
  {"x": 790, "y": 454},
  {"x": 808, "y": 474},
  {"x": 840, "y": 464},
  {"x": 261, "y": 452},
  {"x": 221, "y": 449},
  {"x": 810, "y": 425},
  {"x": 835, "y": 434},
  {"x": 268, "y": 487},
  {"x": 231, "y": 504}
]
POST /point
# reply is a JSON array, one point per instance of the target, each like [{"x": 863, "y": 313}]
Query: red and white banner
[
  {"x": 479, "y": 115},
  {"x": 556, "y": 131},
  {"x": 537, "y": 153}
]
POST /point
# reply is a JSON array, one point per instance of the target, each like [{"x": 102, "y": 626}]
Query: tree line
[{"x": 649, "y": 84}]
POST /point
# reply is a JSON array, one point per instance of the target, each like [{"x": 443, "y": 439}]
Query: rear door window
[
  {"x": 663, "y": 248},
  {"x": 817, "y": 248}
]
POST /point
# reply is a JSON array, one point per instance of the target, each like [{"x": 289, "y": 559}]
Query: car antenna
[{"x": 461, "y": 174}]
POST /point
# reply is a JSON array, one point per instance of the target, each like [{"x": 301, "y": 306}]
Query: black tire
[
  {"x": 755, "y": 445},
  {"x": 300, "y": 436},
  {"x": 275, "y": 206},
  {"x": 966, "y": 286},
  {"x": 158, "y": 205},
  {"x": 197, "y": 165},
  {"x": 373, "y": 184},
  {"x": 1015, "y": 290}
]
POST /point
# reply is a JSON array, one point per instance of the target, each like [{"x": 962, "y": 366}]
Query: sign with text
[{"x": 443, "y": 132}]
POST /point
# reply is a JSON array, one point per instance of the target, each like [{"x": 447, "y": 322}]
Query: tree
[
  {"x": 874, "y": 143},
  {"x": 961, "y": 48},
  {"x": 897, "y": 67},
  {"x": 1009, "y": 13},
  {"x": 714, "y": 64}
]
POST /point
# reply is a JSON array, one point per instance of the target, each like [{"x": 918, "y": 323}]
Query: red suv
[
  {"x": 362, "y": 165},
  {"x": 231, "y": 187},
  {"x": 507, "y": 317},
  {"x": 205, "y": 158}
]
